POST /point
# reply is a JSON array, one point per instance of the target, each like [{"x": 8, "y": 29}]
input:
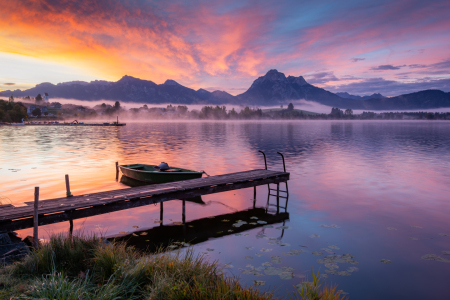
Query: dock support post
[
  {"x": 278, "y": 198},
  {"x": 70, "y": 226},
  {"x": 254, "y": 197},
  {"x": 117, "y": 170},
  {"x": 184, "y": 212},
  {"x": 68, "y": 186},
  {"x": 160, "y": 213},
  {"x": 35, "y": 217}
]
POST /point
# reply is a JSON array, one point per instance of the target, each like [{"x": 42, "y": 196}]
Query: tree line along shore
[{"x": 14, "y": 111}]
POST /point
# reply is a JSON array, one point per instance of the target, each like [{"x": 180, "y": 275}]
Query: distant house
[
  {"x": 56, "y": 105},
  {"x": 46, "y": 97},
  {"x": 30, "y": 109},
  {"x": 33, "y": 107}
]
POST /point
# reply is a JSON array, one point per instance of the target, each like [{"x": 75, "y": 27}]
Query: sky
[{"x": 360, "y": 47}]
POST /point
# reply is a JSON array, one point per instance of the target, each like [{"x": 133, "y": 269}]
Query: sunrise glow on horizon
[{"x": 388, "y": 47}]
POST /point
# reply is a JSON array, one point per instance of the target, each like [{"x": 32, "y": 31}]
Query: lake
[{"x": 368, "y": 200}]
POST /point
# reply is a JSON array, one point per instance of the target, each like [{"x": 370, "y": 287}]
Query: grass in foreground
[
  {"x": 87, "y": 268},
  {"x": 312, "y": 290}
]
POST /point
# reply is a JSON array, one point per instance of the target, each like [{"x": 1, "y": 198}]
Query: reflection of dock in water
[{"x": 200, "y": 230}]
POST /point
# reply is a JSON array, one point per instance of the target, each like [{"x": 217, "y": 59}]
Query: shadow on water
[
  {"x": 197, "y": 231},
  {"x": 201, "y": 230}
]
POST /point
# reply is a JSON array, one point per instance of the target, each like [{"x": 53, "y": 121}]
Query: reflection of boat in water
[
  {"x": 153, "y": 174},
  {"x": 200, "y": 230},
  {"x": 134, "y": 183}
]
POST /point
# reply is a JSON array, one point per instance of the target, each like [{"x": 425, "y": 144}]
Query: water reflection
[{"x": 362, "y": 177}]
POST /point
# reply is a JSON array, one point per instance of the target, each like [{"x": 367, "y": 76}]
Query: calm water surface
[{"x": 372, "y": 190}]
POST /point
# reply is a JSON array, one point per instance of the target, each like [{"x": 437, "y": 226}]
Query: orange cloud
[{"x": 113, "y": 39}]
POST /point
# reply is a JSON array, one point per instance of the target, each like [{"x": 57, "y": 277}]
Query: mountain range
[
  {"x": 272, "y": 89},
  {"x": 348, "y": 96}
]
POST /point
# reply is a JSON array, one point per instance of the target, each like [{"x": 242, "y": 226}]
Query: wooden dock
[{"x": 76, "y": 207}]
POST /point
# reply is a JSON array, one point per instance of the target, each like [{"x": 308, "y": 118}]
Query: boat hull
[{"x": 147, "y": 173}]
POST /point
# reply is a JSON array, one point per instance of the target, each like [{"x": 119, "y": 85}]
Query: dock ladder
[{"x": 277, "y": 190}]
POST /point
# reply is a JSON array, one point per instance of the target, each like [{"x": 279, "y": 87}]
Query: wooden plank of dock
[{"x": 76, "y": 207}]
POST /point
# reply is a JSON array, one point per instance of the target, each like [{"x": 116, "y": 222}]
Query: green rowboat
[{"x": 150, "y": 174}]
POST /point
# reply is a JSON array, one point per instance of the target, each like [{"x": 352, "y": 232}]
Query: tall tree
[
  {"x": 36, "y": 112},
  {"x": 38, "y": 98}
]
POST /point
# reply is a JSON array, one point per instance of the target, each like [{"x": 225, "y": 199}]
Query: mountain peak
[
  {"x": 298, "y": 80},
  {"x": 126, "y": 78},
  {"x": 274, "y": 75},
  {"x": 171, "y": 82}
]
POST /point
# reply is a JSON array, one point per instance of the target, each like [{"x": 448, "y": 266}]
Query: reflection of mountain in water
[{"x": 201, "y": 230}]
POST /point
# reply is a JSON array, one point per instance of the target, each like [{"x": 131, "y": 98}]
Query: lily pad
[
  {"x": 293, "y": 252},
  {"x": 417, "y": 226},
  {"x": 254, "y": 218},
  {"x": 272, "y": 271},
  {"x": 276, "y": 259},
  {"x": 261, "y": 222},
  {"x": 252, "y": 223},
  {"x": 135, "y": 226},
  {"x": 268, "y": 226},
  {"x": 282, "y": 227},
  {"x": 248, "y": 257},
  {"x": 259, "y": 254},
  {"x": 249, "y": 248},
  {"x": 285, "y": 244},
  {"x": 266, "y": 264},
  {"x": 331, "y": 266},
  {"x": 157, "y": 221},
  {"x": 445, "y": 252},
  {"x": 343, "y": 273},
  {"x": 260, "y": 282},
  {"x": 144, "y": 233},
  {"x": 329, "y": 226},
  {"x": 334, "y": 247},
  {"x": 435, "y": 258},
  {"x": 177, "y": 223},
  {"x": 314, "y": 236},
  {"x": 286, "y": 275},
  {"x": 225, "y": 220},
  {"x": 385, "y": 261},
  {"x": 265, "y": 250},
  {"x": 239, "y": 223},
  {"x": 317, "y": 253},
  {"x": 123, "y": 232},
  {"x": 209, "y": 249}
]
